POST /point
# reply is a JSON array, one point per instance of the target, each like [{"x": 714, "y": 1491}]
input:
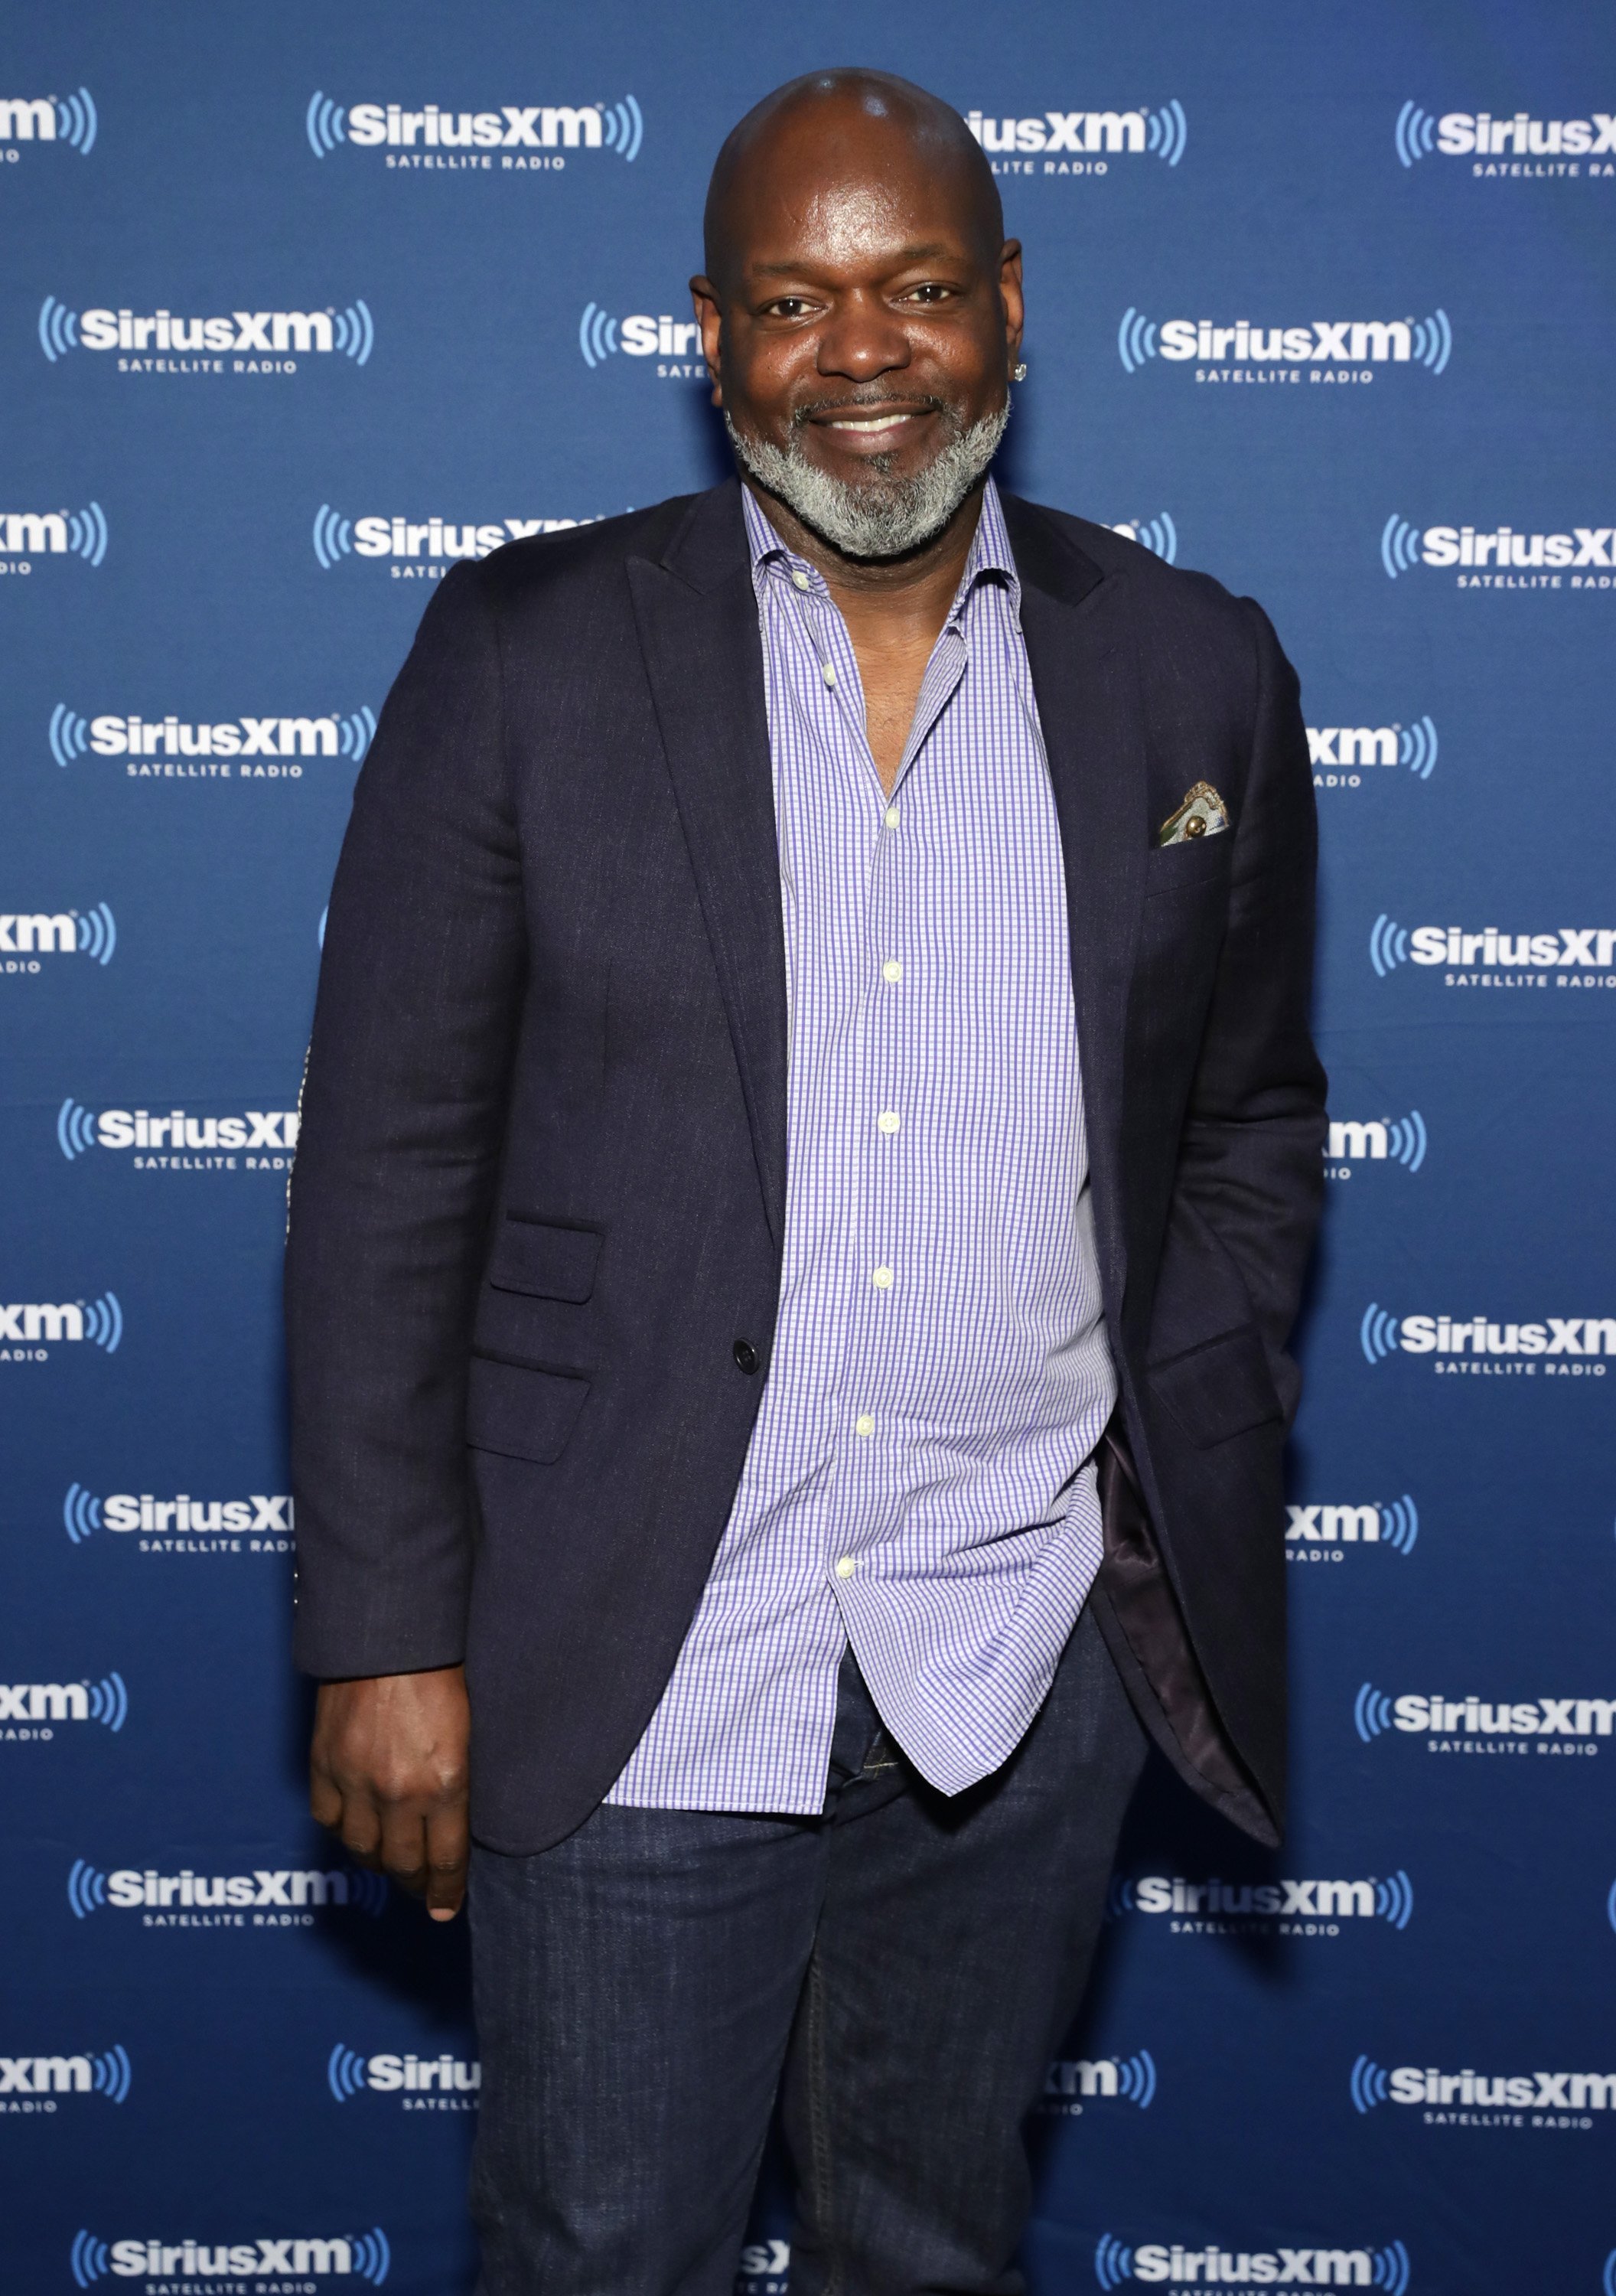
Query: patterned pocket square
[{"x": 1202, "y": 813}]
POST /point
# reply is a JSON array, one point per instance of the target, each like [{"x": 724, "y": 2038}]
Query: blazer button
[{"x": 746, "y": 1356}]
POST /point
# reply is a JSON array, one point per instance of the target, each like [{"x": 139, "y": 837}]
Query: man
[{"x": 810, "y": 1138}]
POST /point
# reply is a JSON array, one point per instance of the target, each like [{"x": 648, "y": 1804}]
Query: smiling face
[{"x": 861, "y": 308}]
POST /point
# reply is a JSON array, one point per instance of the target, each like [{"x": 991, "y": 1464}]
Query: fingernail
[{"x": 442, "y": 1913}]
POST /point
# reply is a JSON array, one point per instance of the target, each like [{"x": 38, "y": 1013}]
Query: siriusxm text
[
  {"x": 388, "y": 2073},
  {"x": 1355, "y": 342},
  {"x": 1161, "y": 1893},
  {"x": 1061, "y": 131},
  {"x": 1282, "y": 2267},
  {"x": 1502, "y": 546},
  {"x": 437, "y": 537},
  {"x": 1560, "y": 1335},
  {"x": 134, "y": 736},
  {"x": 263, "y": 1510},
  {"x": 1567, "y": 2092},
  {"x": 1590, "y": 945},
  {"x": 46, "y": 2076},
  {"x": 530, "y": 125},
  {"x": 126, "y": 1887},
  {"x": 126, "y": 1127},
  {"x": 241, "y": 331},
  {"x": 1531, "y": 1717},
  {"x": 1461, "y": 132},
  {"x": 133, "y": 2259}
]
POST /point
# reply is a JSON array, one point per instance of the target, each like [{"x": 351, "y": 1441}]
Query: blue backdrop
[{"x": 300, "y": 302}]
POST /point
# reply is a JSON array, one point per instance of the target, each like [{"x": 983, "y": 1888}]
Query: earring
[{"x": 1019, "y": 373}]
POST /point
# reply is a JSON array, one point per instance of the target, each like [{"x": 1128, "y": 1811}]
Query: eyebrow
[{"x": 932, "y": 252}]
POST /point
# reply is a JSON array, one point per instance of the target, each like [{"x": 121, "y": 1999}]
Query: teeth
[{"x": 869, "y": 422}]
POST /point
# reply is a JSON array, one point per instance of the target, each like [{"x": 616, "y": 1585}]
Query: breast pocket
[{"x": 1194, "y": 861}]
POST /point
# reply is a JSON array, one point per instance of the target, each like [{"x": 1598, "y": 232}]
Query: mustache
[{"x": 872, "y": 402}]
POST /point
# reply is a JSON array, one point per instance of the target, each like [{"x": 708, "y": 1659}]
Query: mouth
[{"x": 869, "y": 426}]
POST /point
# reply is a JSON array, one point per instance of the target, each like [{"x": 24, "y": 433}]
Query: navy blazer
[{"x": 534, "y": 1245}]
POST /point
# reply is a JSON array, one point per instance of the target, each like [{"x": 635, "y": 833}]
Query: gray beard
[{"x": 879, "y": 517}]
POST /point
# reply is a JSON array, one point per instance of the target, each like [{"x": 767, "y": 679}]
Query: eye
[
  {"x": 786, "y": 307},
  {"x": 930, "y": 291}
]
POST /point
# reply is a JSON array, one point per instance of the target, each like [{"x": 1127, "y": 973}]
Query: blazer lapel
[
  {"x": 1085, "y": 676},
  {"x": 697, "y": 617}
]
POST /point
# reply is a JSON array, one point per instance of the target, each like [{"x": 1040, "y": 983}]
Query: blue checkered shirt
[{"x": 919, "y": 1482}]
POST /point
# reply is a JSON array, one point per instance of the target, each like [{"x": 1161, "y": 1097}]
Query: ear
[{"x": 704, "y": 295}]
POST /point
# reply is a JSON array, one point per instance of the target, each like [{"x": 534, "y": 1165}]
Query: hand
[{"x": 387, "y": 1771}]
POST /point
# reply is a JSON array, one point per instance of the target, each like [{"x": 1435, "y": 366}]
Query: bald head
[{"x": 837, "y": 126}]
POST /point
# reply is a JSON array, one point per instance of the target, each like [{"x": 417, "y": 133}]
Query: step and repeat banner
[{"x": 300, "y": 304}]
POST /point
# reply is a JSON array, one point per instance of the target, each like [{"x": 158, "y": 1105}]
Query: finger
[
  {"x": 361, "y": 1828},
  {"x": 448, "y": 1849},
  {"x": 403, "y": 1847},
  {"x": 324, "y": 1799}
]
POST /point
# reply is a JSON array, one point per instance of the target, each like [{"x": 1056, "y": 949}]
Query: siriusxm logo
[
  {"x": 67, "y": 932},
  {"x": 765, "y": 2265},
  {"x": 1159, "y": 536},
  {"x": 135, "y": 738},
  {"x": 30, "y": 534},
  {"x": 1322, "y": 342},
  {"x": 1370, "y": 2085},
  {"x": 639, "y": 336},
  {"x": 1211, "y": 2268},
  {"x": 106, "y": 1701},
  {"x": 70, "y": 119},
  {"x": 1346, "y": 747},
  {"x": 1589, "y": 946},
  {"x": 336, "y": 537},
  {"x": 36, "y": 1325},
  {"x": 77, "y": 1130},
  {"x": 1396, "y": 1526},
  {"x": 1403, "y": 547},
  {"x": 423, "y": 2083},
  {"x": 1374, "y": 1713},
  {"x": 295, "y": 1890},
  {"x": 266, "y": 1515},
  {"x": 1390, "y": 1139},
  {"x": 1294, "y": 1905},
  {"x": 1070, "y": 2081},
  {"x": 1165, "y": 132},
  {"x": 513, "y": 128},
  {"x": 1381, "y": 1335},
  {"x": 33, "y": 2083},
  {"x": 365, "y": 2256},
  {"x": 1457, "y": 134},
  {"x": 251, "y": 335}
]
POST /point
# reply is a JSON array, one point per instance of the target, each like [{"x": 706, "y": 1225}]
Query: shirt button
[
  {"x": 881, "y": 1277},
  {"x": 799, "y": 578},
  {"x": 864, "y": 1424},
  {"x": 892, "y": 817},
  {"x": 892, "y": 970},
  {"x": 887, "y": 1121},
  {"x": 828, "y": 673},
  {"x": 846, "y": 1566},
  {"x": 746, "y": 1356}
]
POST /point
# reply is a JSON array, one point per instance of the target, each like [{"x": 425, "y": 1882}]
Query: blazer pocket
[
  {"x": 1190, "y": 861},
  {"x": 1222, "y": 1389},
  {"x": 544, "y": 1259},
  {"x": 521, "y": 1413}
]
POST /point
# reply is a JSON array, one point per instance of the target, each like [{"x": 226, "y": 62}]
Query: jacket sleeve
[
  {"x": 403, "y": 1117},
  {"x": 1251, "y": 1159}
]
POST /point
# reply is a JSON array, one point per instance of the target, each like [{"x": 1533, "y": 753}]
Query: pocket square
[{"x": 1202, "y": 813}]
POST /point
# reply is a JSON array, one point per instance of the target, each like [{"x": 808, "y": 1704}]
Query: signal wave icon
[
  {"x": 1415, "y": 134},
  {"x": 104, "y": 1322},
  {"x": 81, "y": 1513},
  {"x": 1113, "y": 2263},
  {"x": 1433, "y": 344},
  {"x": 1399, "y": 1524},
  {"x": 1136, "y": 340},
  {"x": 110, "y": 1702},
  {"x": 1406, "y": 1140},
  {"x": 1608, "y": 2278},
  {"x": 1377, "y": 1334},
  {"x": 1369, "y": 2084},
  {"x": 1159, "y": 535},
  {"x": 354, "y": 331},
  {"x": 74, "y": 1129},
  {"x": 90, "y": 2258},
  {"x": 111, "y": 2074},
  {"x": 97, "y": 933},
  {"x": 597, "y": 335},
  {"x": 1399, "y": 547},
  {"x": 1388, "y": 944},
  {"x": 333, "y": 536},
  {"x": 87, "y": 533},
  {"x": 622, "y": 127},
  {"x": 345, "y": 2073},
  {"x": 76, "y": 122},
  {"x": 1416, "y": 747},
  {"x": 58, "y": 329},
  {"x": 70, "y": 735},
  {"x": 326, "y": 124},
  {"x": 1167, "y": 132},
  {"x": 370, "y": 2256},
  {"x": 1371, "y": 1713},
  {"x": 1136, "y": 2078},
  {"x": 1394, "y": 1899},
  {"x": 87, "y": 1889},
  {"x": 356, "y": 731}
]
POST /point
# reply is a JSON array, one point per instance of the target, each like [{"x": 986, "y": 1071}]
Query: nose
[{"x": 862, "y": 339}]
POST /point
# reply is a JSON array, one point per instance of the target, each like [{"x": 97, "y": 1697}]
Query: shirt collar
[{"x": 991, "y": 558}]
